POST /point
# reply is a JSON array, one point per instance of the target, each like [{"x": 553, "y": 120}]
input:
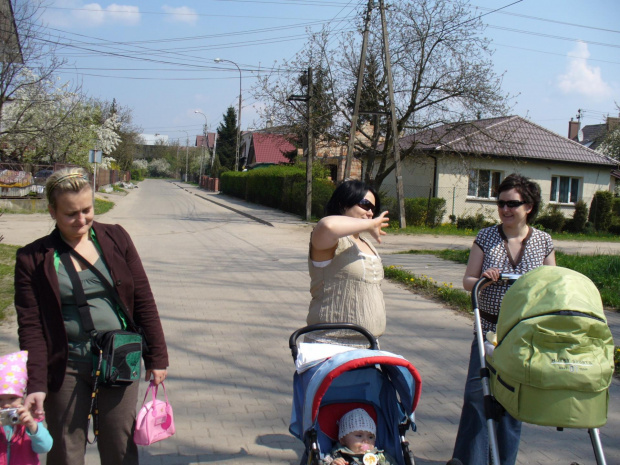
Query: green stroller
[{"x": 553, "y": 362}]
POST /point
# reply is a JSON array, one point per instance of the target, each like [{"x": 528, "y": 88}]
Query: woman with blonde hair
[{"x": 51, "y": 328}]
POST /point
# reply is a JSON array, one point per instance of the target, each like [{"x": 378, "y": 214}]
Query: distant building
[
  {"x": 154, "y": 139},
  {"x": 10, "y": 48}
]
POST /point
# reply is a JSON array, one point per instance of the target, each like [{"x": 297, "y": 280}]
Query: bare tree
[{"x": 442, "y": 72}]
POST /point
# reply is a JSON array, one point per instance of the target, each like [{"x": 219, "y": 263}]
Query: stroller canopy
[
  {"x": 548, "y": 289},
  {"x": 312, "y": 386}
]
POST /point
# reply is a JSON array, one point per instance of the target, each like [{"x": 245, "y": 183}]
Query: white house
[{"x": 465, "y": 163}]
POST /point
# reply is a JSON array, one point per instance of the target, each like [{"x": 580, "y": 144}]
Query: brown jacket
[{"x": 37, "y": 301}]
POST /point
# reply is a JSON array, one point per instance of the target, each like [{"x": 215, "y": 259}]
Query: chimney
[
  {"x": 612, "y": 123},
  {"x": 573, "y": 129}
]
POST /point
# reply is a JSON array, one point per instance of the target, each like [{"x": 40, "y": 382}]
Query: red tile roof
[
  {"x": 270, "y": 148},
  {"x": 509, "y": 136},
  {"x": 200, "y": 140}
]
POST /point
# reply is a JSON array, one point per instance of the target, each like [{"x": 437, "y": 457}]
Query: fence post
[{"x": 453, "y": 198}]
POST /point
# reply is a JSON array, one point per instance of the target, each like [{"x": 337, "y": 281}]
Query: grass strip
[
  {"x": 428, "y": 287},
  {"x": 7, "y": 285},
  {"x": 102, "y": 206},
  {"x": 603, "y": 270},
  {"x": 452, "y": 230}
]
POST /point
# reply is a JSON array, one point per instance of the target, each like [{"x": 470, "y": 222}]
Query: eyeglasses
[
  {"x": 366, "y": 204},
  {"x": 510, "y": 203}
]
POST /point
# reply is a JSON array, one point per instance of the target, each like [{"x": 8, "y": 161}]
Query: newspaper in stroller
[
  {"x": 551, "y": 362},
  {"x": 332, "y": 380}
]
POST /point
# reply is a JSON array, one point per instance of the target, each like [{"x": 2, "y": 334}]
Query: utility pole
[
  {"x": 306, "y": 80},
  {"x": 358, "y": 92},
  {"x": 400, "y": 195},
  {"x": 310, "y": 149}
]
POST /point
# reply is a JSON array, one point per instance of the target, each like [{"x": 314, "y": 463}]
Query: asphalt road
[{"x": 230, "y": 292}]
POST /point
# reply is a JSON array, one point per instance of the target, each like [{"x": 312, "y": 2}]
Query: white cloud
[
  {"x": 72, "y": 12},
  {"x": 181, "y": 14},
  {"x": 581, "y": 78}
]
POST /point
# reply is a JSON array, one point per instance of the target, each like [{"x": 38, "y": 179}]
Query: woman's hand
[
  {"x": 25, "y": 418},
  {"x": 340, "y": 461},
  {"x": 491, "y": 273},
  {"x": 157, "y": 375},
  {"x": 34, "y": 404},
  {"x": 378, "y": 223}
]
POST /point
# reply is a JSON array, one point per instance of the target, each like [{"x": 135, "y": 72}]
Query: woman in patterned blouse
[{"x": 513, "y": 246}]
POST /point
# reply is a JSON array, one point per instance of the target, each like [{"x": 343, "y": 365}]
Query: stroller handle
[
  {"x": 292, "y": 343},
  {"x": 510, "y": 277}
]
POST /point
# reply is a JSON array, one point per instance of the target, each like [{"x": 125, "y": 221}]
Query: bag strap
[
  {"x": 154, "y": 389},
  {"x": 111, "y": 290},
  {"x": 84, "y": 309},
  {"x": 78, "y": 293}
]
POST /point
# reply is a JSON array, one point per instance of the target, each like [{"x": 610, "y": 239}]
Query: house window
[
  {"x": 564, "y": 189},
  {"x": 484, "y": 183}
]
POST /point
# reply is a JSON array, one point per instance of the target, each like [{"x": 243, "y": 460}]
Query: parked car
[{"x": 40, "y": 177}]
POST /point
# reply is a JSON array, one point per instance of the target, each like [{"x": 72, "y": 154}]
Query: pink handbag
[{"x": 155, "y": 420}]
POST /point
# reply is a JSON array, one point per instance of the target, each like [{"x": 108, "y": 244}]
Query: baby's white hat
[{"x": 356, "y": 420}]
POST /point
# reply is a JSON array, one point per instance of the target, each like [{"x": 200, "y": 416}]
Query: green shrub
[
  {"x": 419, "y": 211},
  {"x": 138, "y": 174},
  {"x": 577, "y": 224},
  {"x": 615, "y": 206},
  {"x": 600, "y": 210},
  {"x": 552, "y": 219},
  {"x": 415, "y": 211},
  {"x": 436, "y": 212},
  {"x": 278, "y": 186},
  {"x": 614, "y": 228},
  {"x": 388, "y": 204},
  {"x": 471, "y": 222}
]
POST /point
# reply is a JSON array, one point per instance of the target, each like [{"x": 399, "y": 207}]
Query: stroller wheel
[{"x": 407, "y": 454}]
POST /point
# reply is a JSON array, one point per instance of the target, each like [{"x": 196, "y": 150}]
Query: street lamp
[
  {"x": 219, "y": 60},
  {"x": 186, "y": 155},
  {"x": 205, "y": 143}
]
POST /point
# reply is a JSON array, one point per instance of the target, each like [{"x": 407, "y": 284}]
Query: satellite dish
[{"x": 580, "y": 135}]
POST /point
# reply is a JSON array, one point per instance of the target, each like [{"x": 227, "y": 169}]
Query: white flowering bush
[
  {"x": 140, "y": 164},
  {"x": 159, "y": 168}
]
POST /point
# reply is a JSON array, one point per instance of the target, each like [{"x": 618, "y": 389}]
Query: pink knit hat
[{"x": 13, "y": 374}]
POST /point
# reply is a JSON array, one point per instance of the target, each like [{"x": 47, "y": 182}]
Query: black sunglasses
[
  {"x": 510, "y": 203},
  {"x": 366, "y": 204}
]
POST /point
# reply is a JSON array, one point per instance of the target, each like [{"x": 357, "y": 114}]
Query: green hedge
[
  {"x": 280, "y": 186},
  {"x": 419, "y": 211}
]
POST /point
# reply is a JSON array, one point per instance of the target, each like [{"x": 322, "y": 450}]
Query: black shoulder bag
[{"x": 117, "y": 354}]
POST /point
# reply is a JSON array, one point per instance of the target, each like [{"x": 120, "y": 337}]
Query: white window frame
[
  {"x": 474, "y": 188},
  {"x": 572, "y": 186}
]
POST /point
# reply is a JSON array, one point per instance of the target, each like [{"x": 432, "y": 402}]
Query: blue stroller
[{"x": 384, "y": 384}]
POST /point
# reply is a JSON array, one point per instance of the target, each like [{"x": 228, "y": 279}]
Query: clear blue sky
[{"x": 158, "y": 57}]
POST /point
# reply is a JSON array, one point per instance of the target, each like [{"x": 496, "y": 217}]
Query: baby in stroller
[{"x": 356, "y": 442}]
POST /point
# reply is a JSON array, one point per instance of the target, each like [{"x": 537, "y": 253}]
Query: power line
[
  {"x": 551, "y": 36},
  {"x": 553, "y": 21}
]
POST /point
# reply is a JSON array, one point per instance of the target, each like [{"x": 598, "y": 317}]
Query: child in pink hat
[{"x": 21, "y": 437}]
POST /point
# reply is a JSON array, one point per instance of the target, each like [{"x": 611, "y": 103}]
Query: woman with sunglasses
[
  {"x": 515, "y": 247},
  {"x": 345, "y": 268}
]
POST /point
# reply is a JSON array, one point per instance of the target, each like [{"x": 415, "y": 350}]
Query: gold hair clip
[{"x": 65, "y": 177}]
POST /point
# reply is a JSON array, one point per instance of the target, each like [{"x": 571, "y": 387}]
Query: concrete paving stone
[{"x": 219, "y": 330}]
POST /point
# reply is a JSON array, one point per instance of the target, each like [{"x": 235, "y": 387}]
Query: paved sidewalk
[
  {"x": 420, "y": 265},
  {"x": 230, "y": 291}
]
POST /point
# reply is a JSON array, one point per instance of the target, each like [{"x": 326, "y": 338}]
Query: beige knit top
[{"x": 348, "y": 290}]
